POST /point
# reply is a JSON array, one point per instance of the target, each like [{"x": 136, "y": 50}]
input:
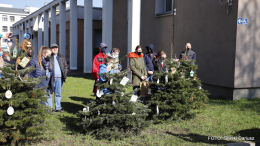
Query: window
[
  {"x": 168, "y": 5},
  {"x": 98, "y": 37},
  {"x": 12, "y": 18},
  {"x": 4, "y": 17},
  {"x": 164, "y": 7},
  {"x": 11, "y": 29},
  {"x": 5, "y": 29}
]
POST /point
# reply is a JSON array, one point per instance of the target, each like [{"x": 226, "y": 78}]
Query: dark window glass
[{"x": 168, "y": 5}]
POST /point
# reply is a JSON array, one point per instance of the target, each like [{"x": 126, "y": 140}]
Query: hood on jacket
[
  {"x": 150, "y": 46},
  {"x": 134, "y": 55},
  {"x": 102, "y": 66}
]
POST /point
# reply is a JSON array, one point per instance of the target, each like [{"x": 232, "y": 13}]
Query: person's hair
[
  {"x": 115, "y": 49},
  {"x": 160, "y": 53},
  {"x": 24, "y": 43},
  {"x": 39, "y": 57},
  {"x": 109, "y": 59},
  {"x": 187, "y": 44},
  {"x": 137, "y": 47}
]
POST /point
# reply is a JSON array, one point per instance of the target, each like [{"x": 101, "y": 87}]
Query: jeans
[
  {"x": 150, "y": 78},
  {"x": 57, "y": 92},
  {"x": 49, "y": 99},
  {"x": 138, "y": 92}
]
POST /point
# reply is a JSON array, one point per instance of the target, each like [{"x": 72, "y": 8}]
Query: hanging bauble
[
  {"x": 8, "y": 94},
  {"x": 10, "y": 111}
]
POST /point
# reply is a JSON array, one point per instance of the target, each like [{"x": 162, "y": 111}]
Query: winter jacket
[
  {"x": 191, "y": 55},
  {"x": 158, "y": 67},
  {"x": 41, "y": 72},
  {"x": 63, "y": 66},
  {"x": 138, "y": 68},
  {"x": 98, "y": 59},
  {"x": 103, "y": 69},
  {"x": 148, "y": 59}
]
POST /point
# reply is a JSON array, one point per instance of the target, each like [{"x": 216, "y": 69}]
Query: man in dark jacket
[
  {"x": 60, "y": 72},
  {"x": 188, "y": 53},
  {"x": 148, "y": 61}
]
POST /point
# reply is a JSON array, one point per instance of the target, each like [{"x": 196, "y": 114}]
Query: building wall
[
  {"x": 247, "y": 69},
  {"x": 212, "y": 33},
  {"x": 97, "y": 24},
  {"x": 155, "y": 30}
]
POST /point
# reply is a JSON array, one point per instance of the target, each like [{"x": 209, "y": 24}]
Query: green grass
[{"x": 218, "y": 118}]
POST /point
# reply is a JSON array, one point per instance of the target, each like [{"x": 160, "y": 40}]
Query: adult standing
[
  {"x": 98, "y": 59},
  {"x": 188, "y": 53},
  {"x": 148, "y": 61},
  {"x": 44, "y": 68},
  {"x": 60, "y": 72},
  {"x": 137, "y": 66}
]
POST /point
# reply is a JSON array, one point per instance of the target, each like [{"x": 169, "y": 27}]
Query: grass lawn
[{"x": 218, "y": 118}]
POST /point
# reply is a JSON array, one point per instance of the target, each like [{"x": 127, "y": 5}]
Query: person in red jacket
[{"x": 98, "y": 59}]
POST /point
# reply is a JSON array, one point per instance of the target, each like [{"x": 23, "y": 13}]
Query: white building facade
[{"x": 9, "y": 16}]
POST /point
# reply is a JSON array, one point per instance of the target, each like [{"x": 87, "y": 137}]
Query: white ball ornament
[
  {"x": 8, "y": 94},
  {"x": 10, "y": 111}
]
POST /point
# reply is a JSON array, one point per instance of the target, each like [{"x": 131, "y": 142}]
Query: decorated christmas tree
[
  {"x": 175, "y": 91},
  {"x": 115, "y": 115},
  {"x": 21, "y": 113}
]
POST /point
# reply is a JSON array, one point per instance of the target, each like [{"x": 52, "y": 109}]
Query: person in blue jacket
[
  {"x": 44, "y": 68},
  {"x": 148, "y": 61},
  {"x": 106, "y": 68}
]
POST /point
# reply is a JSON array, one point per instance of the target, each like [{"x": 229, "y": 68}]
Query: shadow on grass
[
  {"x": 254, "y": 132},
  {"x": 70, "y": 120},
  {"x": 70, "y": 123},
  {"x": 84, "y": 100},
  {"x": 196, "y": 138},
  {"x": 71, "y": 107}
]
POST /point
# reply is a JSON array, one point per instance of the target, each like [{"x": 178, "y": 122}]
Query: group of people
[
  {"x": 51, "y": 65},
  {"x": 143, "y": 66}
]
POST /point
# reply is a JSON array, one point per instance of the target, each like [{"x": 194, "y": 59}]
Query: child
[
  {"x": 115, "y": 55},
  {"x": 106, "y": 68}
]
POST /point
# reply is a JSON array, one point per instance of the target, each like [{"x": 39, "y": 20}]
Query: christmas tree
[
  {"x": 21, "y": 113},
  {"x": 176, "y": 91},
  {"x": 114, "y": 116}
]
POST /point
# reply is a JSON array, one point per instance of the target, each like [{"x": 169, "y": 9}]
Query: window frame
[
  {"x": 159, "y": 12},
  {"x": 4, "y": 29},
  {"x": 4, "y": 16},
  {"x": 13, "y": 19}
]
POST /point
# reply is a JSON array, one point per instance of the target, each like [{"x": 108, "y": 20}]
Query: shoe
[{"x": 60, "y": 110}]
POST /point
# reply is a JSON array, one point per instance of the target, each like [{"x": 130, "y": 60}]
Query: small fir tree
[
  {"x": 113, "y": 116},
  {"x": 21, "y": 113},
  {"x": 176, "y": 91}
]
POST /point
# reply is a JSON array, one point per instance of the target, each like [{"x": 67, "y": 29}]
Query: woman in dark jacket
[
  {"x": 43, "y": 65},
  {"x": 158, "y": 63}
]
